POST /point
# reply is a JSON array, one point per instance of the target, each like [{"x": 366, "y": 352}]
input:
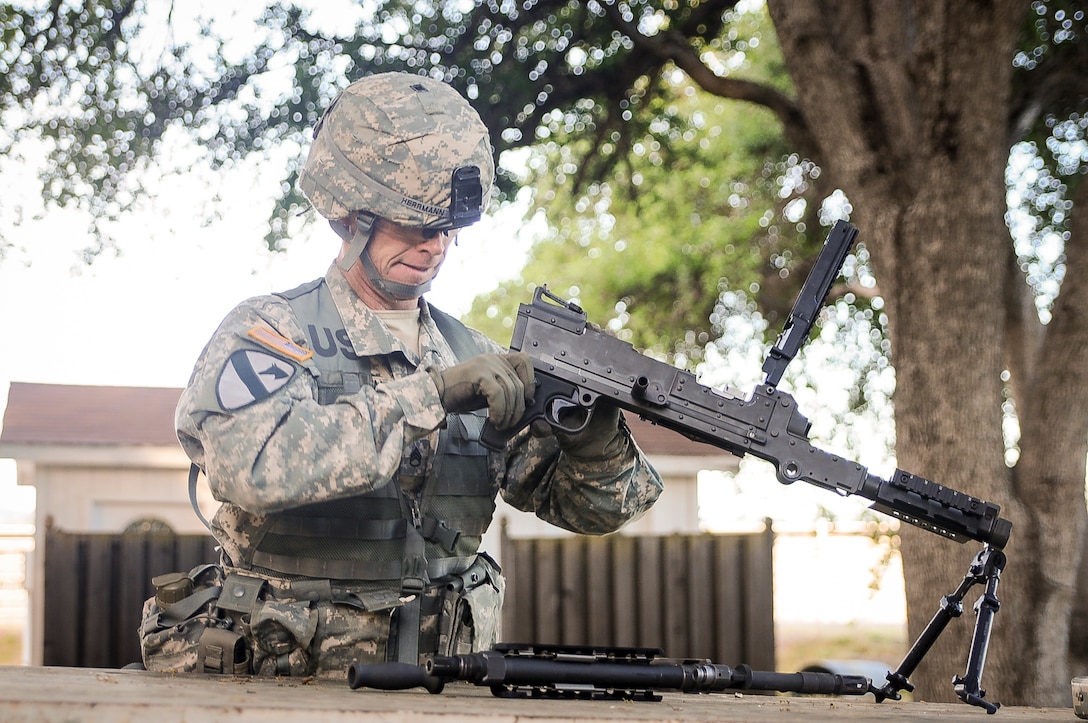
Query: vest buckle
[
  {"x": 414, "y": 581},
  {"x": 440, "y": 532}
]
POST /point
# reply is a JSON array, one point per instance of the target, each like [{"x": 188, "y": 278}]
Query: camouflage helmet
[{"x": 401, "y": 147}]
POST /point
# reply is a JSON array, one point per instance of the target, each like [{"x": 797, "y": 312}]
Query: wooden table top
[{"x": 93, "y": 695}]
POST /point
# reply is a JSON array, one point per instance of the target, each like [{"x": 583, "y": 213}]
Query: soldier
[{"x": 338, "y": 424}]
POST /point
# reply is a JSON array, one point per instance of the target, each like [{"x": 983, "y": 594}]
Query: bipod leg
[
  {"x": 951, "y": 606},
  {"x": 969, "y": 687}
]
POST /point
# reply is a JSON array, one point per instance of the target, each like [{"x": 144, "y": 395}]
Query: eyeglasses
[{"x": 412, "y": 235}]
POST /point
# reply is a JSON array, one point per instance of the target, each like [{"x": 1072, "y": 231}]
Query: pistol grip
[{"x": 552, "y": 398}]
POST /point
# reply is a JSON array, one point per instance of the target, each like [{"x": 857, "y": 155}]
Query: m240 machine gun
[{"x": 578, "y": 366}]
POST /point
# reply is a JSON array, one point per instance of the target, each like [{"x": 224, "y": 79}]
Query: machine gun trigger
[
  {"x": 563, "y": 406},
  {"x": 567, "y": 415}
]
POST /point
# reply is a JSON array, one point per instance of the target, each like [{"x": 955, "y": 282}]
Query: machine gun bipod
[{"x": 985, "y": 569}]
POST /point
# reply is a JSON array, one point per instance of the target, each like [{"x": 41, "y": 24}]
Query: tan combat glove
[
  {"x": 605, "y": 428},
  {"x": 503, "y": 383}
]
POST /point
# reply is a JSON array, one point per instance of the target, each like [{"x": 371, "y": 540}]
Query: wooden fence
[
  {"x": 706, "y": 596},
  {"x": 693, "y": 596},
  {"x": 95, "y": 587}
]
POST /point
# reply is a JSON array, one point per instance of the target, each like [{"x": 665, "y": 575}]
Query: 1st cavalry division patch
[{"x": 250, "y": 376}]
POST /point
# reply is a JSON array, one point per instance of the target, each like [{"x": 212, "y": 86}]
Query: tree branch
[{"x": 674, "y": 46}]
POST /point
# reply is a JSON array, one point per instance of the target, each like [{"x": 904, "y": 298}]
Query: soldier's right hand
[{"x": 503, "y": 383}]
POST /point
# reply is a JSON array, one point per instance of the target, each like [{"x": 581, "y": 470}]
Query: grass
[
  {"x": 11, "y": 646},
  {"x": 797, "y": 645}
]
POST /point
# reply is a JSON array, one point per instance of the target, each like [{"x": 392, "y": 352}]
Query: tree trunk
[
  {"x": 908, "y": 105},
  {"x": 1050, "y": 475}
]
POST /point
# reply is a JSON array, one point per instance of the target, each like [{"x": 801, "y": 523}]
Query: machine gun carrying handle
[{"x": 810, "y": 301}]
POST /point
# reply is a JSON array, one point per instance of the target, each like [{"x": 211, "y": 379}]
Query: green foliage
[
  {"x": 104, "y": 86},
  {"x": 703, "y": 211},
  {"x": 139, "y": 75},
  {"x": 649, "y": 251},
  {"x": 660, "y": 197},
  {"x": 1052, "y": 47},
  {"x": 106, "y": 82}
]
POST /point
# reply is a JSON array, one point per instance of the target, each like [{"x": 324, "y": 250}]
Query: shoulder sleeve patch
[
  {"x": 250, "y": 376},
  {"x": 279, "y": 343}
]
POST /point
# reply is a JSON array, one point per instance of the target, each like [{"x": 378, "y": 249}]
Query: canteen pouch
[
  {"x": 183, "y": 630},
  {"x": 281, "y": 633}
]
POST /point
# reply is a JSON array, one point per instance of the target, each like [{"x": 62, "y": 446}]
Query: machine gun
[
  {"x": 578, "y": 366},
  {"x": 618, "y": 673}
]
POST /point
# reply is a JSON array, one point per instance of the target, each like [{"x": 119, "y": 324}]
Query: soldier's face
[{"x": 408, "y": 255}]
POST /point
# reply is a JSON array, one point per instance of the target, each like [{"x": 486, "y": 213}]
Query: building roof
[
  {"x": 89, "y": 415},
  {"x": 100, "y": 415}
]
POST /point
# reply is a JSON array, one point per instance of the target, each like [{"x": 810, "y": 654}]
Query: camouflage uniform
[
  {"x": 295, "y": 453},
  {"x": 286, "y": 450}
]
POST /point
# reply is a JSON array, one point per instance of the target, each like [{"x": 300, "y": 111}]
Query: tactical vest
[{"x": 385, "y": 535}]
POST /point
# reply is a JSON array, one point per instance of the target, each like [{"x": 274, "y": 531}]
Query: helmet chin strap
[
  {"x": 357, "y": 252},
  {"x": 398, "y": 291}
]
